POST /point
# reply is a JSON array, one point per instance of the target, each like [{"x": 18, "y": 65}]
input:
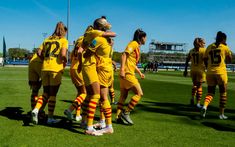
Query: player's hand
[
  {"x": 142, "y": 76},
  {"x": 122, "y": 74}
]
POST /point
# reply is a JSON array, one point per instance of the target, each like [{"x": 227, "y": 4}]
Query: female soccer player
[
  {"x": 89, "y": 72},
  {"x": 215, "y": 57},
  {"x": 53, "y": 51},
  {"x": 128, "y": 81},
  {"x": 197, "y": 70},
  {"x": 77, "y": 79}
]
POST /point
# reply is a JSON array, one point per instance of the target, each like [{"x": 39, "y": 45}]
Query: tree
[
  {"x": 18, "y": 53},
  {"x": 117, "y": 57}
]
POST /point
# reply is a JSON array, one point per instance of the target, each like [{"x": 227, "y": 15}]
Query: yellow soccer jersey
[
  {"x": 74, "y": 55},
  {"x": 103, "y": 52},
  {"x": 51, "y": 49},
  {"x": 133, "y": 50},
  {"x": 216, "y": 58},
  {"x": 196, "y": 57},
  {"x": 35, "y": 58},
  {"x": 89, "y": 35}
]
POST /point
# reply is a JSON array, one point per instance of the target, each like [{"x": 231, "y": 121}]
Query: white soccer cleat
[
  {"x": 107, "y": 130},
  {"x": 93, "y": 132},
  {"x": 34, "y": 114},
  {"x": 222, "y": 116},
  {"x": 203, "y": 112},
  {"x": 199, "y": 106},
  {"x": 100, "y": 125},
  {"x": 51, "y": 121},
  {"x": 68, "y": 114},
  {"x": 78, "y": 118}
]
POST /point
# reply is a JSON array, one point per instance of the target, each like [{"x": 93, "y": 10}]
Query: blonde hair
[
  {"x": 60, "y": 30},
  {"x": 198, "y": 42}
]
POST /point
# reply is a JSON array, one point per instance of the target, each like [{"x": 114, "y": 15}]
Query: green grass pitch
[{"x": 162, "y": 118}]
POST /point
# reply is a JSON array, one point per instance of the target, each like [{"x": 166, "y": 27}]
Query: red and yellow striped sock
[
  {"x": 102, "y": 117},
  {"x": 77, "y": 102},
  {"x": 51, "y": 106},
  {"x": 120, "y": 106},
  {"x": 199, "y": 95},
  {"x": 134, "y": 100},
  {"x": 41, "y": 100},
  {"x": 107, "y": 112},
  {"x": 112, "y": 94},
  {"x": 223, "y": 101},
  {"x": 91, "y": 109},
  {"x": 85, "y": 109},
  {"x": 194, "y": 91},
  {"x": 34, "y": 99},
  {"x": 208, "y": 99}
]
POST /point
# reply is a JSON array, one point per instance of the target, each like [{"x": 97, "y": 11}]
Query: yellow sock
[
  {"x": 134, "y": 100},
  {"x": 91, "y": 109},
  {"x": 208, "y": 99},
  {"x": 107, "y": 112}
]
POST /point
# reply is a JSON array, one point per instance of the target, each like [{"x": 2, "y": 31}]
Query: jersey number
[
  {"x": 195, "y": 58},
  {"x": 48, "y": 48},
  {"x": 215, "y": 56}
]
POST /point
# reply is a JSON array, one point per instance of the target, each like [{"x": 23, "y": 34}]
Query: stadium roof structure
[{"x": 167, "y": 47}]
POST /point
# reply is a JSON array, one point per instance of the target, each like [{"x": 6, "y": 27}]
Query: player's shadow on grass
[
  {"x": 193, "y": 113},
  {"x": 15, "y": 113},
  {"x": 181, "y": 110},
  {"x": 220, "y": 126}
]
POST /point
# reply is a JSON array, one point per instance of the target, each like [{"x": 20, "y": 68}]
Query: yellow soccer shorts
[
  {"x": 50, "y": 78},
  {"x": 216, "y": 79},
  {"x": 34, "y": 71},
  {"x": 198, "y": 76},
  {"x": 76, "y": 77},
  {"x": 129, "y": 82},
  {"x": 89, "y": 74},
  {"x": 105, "y": 77}
]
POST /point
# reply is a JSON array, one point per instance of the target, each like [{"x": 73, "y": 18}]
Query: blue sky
[{"x": 23, "y": 22}]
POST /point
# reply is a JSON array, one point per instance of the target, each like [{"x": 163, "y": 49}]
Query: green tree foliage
[
  {"x": 117, "y": 57},
  {"x": 233, "y": 59},
  {"x": 17, "y": 53},
  {"x": 1, "y": 54}
]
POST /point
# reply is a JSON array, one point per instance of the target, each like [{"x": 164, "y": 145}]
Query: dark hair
[
  {"x": 219, "y": 38},
  {"x": 138, "y": 35}
]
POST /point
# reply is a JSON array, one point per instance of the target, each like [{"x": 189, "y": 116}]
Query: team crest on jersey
[{"x": 93, "y": 43}]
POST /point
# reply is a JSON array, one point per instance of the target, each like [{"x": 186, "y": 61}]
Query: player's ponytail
[
  {"x": 138, "y": 35},
  {"x": 60, "y": 30},
  {"x": 220, "y": 37}
]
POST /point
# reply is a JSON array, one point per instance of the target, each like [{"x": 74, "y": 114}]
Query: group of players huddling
[{"x": 91, "y": 72}]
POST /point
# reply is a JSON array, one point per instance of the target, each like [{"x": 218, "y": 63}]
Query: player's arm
[
  {"x": 228, "y": 58},
  {"x": 186, "y": 65},
  {"x": 80, "y": 50},
  {"x": 123, "y": 62},
  {"x": 114, "y": 65},
  {"x": 109, "y": 34},
  {"x": 139, "y": 72},
  {"x": 63, "y": 56}
]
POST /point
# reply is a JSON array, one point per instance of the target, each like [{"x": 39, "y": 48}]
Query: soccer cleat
[
  {"x": 126, "y": 117},
  {"x": 100, "y": 125},
  {"x": 68, "y": 114},
  {"x": 34, "y": 115},
  {"x": 199, "y": 106},
  {"x": 107, "y": 130},
  {"x": 51, "y": 121},
  {"x": 222, "y": 116},
  {"x": 93, "y": 132},
  {"x": 78, "y": 118},
  {"x": 203, "y": 112}
]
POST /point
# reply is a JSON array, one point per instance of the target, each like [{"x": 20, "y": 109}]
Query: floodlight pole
[{"x": 68, "y": 15}]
